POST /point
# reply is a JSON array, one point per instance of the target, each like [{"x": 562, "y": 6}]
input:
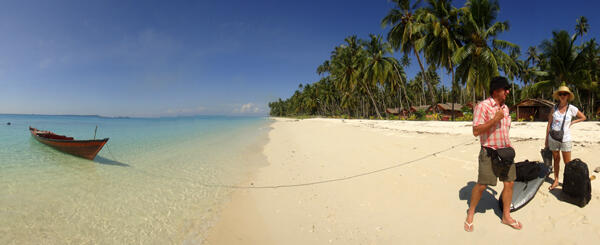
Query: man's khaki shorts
[{"x": 489, "y": 173}]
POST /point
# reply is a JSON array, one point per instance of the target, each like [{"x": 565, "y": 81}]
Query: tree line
[{"x": 362, "y": 78}]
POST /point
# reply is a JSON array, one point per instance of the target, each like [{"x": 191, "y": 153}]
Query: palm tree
[
  {"x": 440, "y": 41},
  {"x": 400, "y": 82},
  {"x": 589, "y": 85},
  {"x": 482, "y": 55},
  {"x": 405, "y": 31},
  {"x": 532, "y": 56},
  {"x": 323, "y": 68},
  {"x": 346, "y": 62},
  {"x": 513, "y": 70},
  {"x": 379, "y": 68},
  {"x": 582, "y": 27},
  {"x": 564, "y": 63},
  {"x": 345, "y": 66}
]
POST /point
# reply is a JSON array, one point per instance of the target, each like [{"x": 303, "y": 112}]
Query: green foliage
[
  {"x": 362, "y": 79},
  {"x": 466, "y": 109},
  {"x": 466, "y": 117},
  {"x": 420, "y": 114},
  {"x": 433, "y": 116}
]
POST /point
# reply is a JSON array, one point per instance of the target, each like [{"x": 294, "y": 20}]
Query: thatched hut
[
  {"x": 414, "y": 109},
  {"x": 470, "y": 105},
  {"x": 445, "y": 109},
  {"x": 536, "y": 109},
  {"x": 397, "y": 111}
]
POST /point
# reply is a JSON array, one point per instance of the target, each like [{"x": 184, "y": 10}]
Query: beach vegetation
[
  {"x": 366, "y": 78},
  {"x": 466, "y": 117}
]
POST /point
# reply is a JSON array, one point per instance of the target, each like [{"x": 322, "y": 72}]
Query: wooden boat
[{"x": 82, "y": 148}]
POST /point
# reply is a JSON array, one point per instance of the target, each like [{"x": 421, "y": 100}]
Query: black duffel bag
[
  {"x": 527, "y": 170},
  {"x": 576, "y": 182}
]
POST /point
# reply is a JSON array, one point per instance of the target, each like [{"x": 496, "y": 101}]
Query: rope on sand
[
  {"x": 314, "y": 182},
  {"x": 347, "y": 177}
]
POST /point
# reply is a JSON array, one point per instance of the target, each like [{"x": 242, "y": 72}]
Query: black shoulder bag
[
  {"x": 503, "y": 157},
  {"x": 558, "y": 134}
]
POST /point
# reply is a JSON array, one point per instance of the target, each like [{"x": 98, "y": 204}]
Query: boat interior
[{"x": 54, "y": 136}]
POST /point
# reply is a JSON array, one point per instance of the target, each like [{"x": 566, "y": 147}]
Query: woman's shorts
[{"x": 559, "y": 146}]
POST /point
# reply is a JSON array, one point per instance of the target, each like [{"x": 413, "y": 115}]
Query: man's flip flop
[
  {"x": 469, "y": 226},
  {"x": 515, "y": 225}
]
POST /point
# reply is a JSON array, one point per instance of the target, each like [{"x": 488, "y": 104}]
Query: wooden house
[
  {"x": 445, "y": 110},
  {"x": 397, "y": 111},
  {"x": 414, "y": 109},
  {"x": 536, "y": 109}
]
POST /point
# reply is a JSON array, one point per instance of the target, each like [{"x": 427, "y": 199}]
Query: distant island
[{"x": 68, "y": 115}]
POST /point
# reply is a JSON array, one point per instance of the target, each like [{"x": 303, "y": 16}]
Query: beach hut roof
[
  {"x": 392, "y": 110},
  {"x": 420, "y": 107},
  {"x": 396, "y": 110},
  {"x": 534, "y": 102},
  {"x": 470, "y": 104},
  {"x": 448, "y": 106}
]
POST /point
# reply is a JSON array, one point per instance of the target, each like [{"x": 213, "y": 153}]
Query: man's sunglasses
[{"x": 563, "y": 94}]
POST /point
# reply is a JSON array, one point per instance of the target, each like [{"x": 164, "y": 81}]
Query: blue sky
[{"x": 169, "y": 58}]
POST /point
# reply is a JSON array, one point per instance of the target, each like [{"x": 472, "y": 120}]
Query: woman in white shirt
[{"x": 562, "y": 112}]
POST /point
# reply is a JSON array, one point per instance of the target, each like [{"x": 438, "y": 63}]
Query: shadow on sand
[
  {"x": 559, "y": 194},
  {"x": 107, "y": 161},
  {"x": 488, "y": 199}
]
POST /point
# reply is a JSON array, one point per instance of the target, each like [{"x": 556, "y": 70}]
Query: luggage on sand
[
  {"x": 524, "y": 191},
  {"x": 576, "y": 182},
  {"x": 527, "y": 170},
  {"x": 547, "y": 156}
]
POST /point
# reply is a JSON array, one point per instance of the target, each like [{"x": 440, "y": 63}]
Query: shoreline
[{"x": 384, "y": 206}]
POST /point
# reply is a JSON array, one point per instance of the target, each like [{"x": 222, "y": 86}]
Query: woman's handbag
[{"x": 558, "y": 134}]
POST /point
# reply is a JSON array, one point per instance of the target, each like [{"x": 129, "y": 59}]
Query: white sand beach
[{"x": 378, "y": 182}]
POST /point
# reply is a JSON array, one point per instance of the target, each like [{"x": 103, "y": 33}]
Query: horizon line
[{"x": 133, "y": 117}]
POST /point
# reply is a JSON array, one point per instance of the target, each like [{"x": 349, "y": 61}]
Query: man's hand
[
  {"x": 499, "y": 115},
  {"x": 477, "y": 130}
]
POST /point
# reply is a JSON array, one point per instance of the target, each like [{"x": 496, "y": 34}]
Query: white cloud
[{"x": 247, "y": 108}]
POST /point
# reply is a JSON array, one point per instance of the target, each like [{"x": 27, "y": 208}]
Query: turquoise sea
[{"x": 153, "y": 183}]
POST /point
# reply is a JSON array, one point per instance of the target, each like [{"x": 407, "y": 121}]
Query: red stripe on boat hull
[{"x": 82, "y": 148}]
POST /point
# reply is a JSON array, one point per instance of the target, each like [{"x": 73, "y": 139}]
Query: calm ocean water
[{"x": 148, "y": 185}]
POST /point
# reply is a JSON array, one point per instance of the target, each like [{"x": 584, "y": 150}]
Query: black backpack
[
  {"x": 527, "y": 170},
  {"x": 576, "y": 182}
]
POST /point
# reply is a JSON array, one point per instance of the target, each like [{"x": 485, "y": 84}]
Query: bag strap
[{"x": 564, "y": 118}]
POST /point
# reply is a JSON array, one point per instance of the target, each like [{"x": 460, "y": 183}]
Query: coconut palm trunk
[
  {"x": 424, "y": 77},
  {"x": 404, "y": 87},
  {"x": 453, "y": 86},
  {"x": 373, "y": 100}
]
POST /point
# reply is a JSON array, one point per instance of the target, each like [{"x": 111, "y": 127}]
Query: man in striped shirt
[{"x": 491, "y": 122}]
